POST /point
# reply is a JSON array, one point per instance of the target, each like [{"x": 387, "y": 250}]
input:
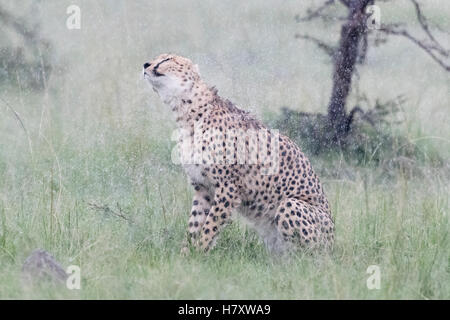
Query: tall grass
[{"x": 98, "y": 136}]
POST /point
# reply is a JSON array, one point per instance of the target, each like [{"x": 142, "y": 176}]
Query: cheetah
[{"x": 277, "y": 192}]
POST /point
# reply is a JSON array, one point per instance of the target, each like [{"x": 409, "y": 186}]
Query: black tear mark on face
[{"x": 155, "y": 71}]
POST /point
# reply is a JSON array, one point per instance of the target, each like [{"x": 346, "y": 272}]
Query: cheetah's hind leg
[{"x": 300, "y": 222}]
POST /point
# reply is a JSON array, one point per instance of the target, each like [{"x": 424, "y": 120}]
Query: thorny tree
[{"x": 352, "y": 48}]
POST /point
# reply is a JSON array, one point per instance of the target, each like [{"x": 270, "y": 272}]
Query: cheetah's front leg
[
  {"x": 201, "y": 205},
  {"x": 225, "y": 200}
]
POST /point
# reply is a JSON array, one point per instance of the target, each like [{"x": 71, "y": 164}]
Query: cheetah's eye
[{"x": 155, "y": 71}]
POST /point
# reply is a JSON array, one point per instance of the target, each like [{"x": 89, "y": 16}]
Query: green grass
[
  {"x": 399, "y": 224},
  {"x": 98, "y": 135}
]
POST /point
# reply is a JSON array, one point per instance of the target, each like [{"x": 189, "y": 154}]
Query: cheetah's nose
[{"x": 146, "y": 65}]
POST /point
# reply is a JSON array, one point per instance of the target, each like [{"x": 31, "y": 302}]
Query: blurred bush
[
  {"x": 25, "y": 56},
  {"x": 373, "y": 137}
]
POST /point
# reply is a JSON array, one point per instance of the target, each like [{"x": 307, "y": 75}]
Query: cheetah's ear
[{"x": 196, "y": 69}]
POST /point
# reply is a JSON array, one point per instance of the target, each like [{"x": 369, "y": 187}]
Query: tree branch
[
  {"x": 346, "y": 3},
  {"x": 316, "y": 13},
  {"x": 388, "y": 29},
  {"x": 328, "y": 49},
  {"x": 424, "y": 24}
]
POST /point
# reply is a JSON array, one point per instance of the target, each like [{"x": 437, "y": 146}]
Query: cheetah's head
[{"x": 171, "y": 75}]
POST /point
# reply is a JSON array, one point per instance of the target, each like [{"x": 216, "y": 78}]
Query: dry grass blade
[{"x": 106, "y": 209}]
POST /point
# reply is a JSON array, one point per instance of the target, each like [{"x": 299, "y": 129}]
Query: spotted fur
[{"x": 288, "y": 207}]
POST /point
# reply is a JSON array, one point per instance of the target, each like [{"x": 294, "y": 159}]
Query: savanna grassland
[{"x": 96, "y": 137}]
